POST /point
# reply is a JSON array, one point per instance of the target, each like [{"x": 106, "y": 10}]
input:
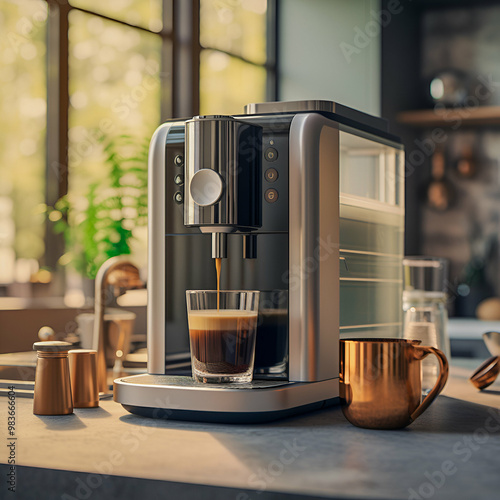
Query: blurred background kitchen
[{"x": 85, "y": 83}]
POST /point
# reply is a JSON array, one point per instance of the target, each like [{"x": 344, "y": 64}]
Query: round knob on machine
[{"x": 206, "y": 187}]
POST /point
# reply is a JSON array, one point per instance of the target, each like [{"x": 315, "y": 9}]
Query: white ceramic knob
[{"x": 206, "y": 187}]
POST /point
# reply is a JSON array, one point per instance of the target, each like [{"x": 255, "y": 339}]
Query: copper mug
[{"x": 381, "y": 381}]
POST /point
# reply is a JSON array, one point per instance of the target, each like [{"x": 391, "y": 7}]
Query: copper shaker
[
  {"x": 83, "y": 372},
  {"x": 52, "y": 383}
]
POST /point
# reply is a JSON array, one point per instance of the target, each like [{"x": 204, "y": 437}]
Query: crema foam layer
[{"x": 224, "y": 319}]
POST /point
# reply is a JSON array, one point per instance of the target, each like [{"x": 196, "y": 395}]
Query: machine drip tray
[
  {"x": 178, "y": 381},
  {"x": 181, "y": 398}
]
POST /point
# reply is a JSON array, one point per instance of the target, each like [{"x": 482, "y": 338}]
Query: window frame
[{"x": 180, "y": 58}]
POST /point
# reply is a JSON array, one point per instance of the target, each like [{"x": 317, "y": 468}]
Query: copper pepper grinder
[{"x": 52, "y": 381}]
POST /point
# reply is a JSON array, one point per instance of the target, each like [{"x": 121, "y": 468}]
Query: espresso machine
[{"x": 303, "y": 201}]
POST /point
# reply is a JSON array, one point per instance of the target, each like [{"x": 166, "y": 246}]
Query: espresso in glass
[{"x": 222, "y": 333}]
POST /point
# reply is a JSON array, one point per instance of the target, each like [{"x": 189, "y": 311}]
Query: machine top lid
[{"x": 316, "y": 105}]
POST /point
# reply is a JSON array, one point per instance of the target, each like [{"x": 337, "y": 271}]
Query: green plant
[{"x": 103, "y": 225}]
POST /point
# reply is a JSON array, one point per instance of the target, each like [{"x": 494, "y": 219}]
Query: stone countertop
[{"x": 451, "y": 452}]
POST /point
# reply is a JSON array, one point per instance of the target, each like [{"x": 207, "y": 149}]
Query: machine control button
[
  {"x": 178, "y": 198},
  {"x": 271, "y": 174},
  {"x": 271, "y": 195},
  {"x": 270, "y": 154},
  {"x": 206, "y": 187},
  {"x": 179, "y": 160},
  {"x": 179, "y": 179}
]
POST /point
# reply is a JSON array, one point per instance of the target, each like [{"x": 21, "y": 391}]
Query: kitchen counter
[
  {"x": 451, "y": 452},
  {"x": 466, "y": 336}
]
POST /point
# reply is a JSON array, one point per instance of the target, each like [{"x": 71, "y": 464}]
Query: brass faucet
[{"x": 122, "y": 275}]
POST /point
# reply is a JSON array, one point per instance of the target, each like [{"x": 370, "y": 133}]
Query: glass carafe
[{"x": 424, "y": 307}]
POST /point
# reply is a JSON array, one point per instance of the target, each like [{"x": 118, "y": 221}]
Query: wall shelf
[{"x": 451, "y": 117}]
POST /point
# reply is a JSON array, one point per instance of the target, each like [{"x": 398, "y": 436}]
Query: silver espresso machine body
[{"x": 302, "y": 201}]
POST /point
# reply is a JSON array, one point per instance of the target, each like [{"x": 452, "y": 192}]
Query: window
[
  {"x": 22, "y": 136},
  {"x": 235, "y": 54},
  {"x": 78, "y": 76}
]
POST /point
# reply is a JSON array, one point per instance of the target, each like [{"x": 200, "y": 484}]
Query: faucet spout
[{"x": 122, "y": 275}]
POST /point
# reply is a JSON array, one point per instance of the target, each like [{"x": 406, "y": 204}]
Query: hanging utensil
[{"x": 440, "y": 192}]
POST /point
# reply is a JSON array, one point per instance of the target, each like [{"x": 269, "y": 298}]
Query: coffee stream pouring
[{"x": 223, "y": 170}]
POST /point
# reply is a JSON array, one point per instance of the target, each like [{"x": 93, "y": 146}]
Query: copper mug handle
[{"x": 421, "y": 352}]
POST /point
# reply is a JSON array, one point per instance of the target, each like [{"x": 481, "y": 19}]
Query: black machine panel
[{"x": 189, "y": 264}]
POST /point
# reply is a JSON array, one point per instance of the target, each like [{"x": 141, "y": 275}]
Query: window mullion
[
  {"x": 166, "y": 62},
  {"x": 57, "y": 119},
  {"x": 57, "y": 101},
  {"x": 186, "y": 58},
  {"x": 272, "y": 50}
]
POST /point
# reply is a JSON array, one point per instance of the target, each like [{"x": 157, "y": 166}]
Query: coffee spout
[{"x": 219, "y": 245}]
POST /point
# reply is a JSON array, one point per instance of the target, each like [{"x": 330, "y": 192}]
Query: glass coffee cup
[{"x": 222, "y": 334}]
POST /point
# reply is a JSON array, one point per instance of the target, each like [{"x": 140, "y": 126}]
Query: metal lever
[{"x": 343, "y": 259}]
